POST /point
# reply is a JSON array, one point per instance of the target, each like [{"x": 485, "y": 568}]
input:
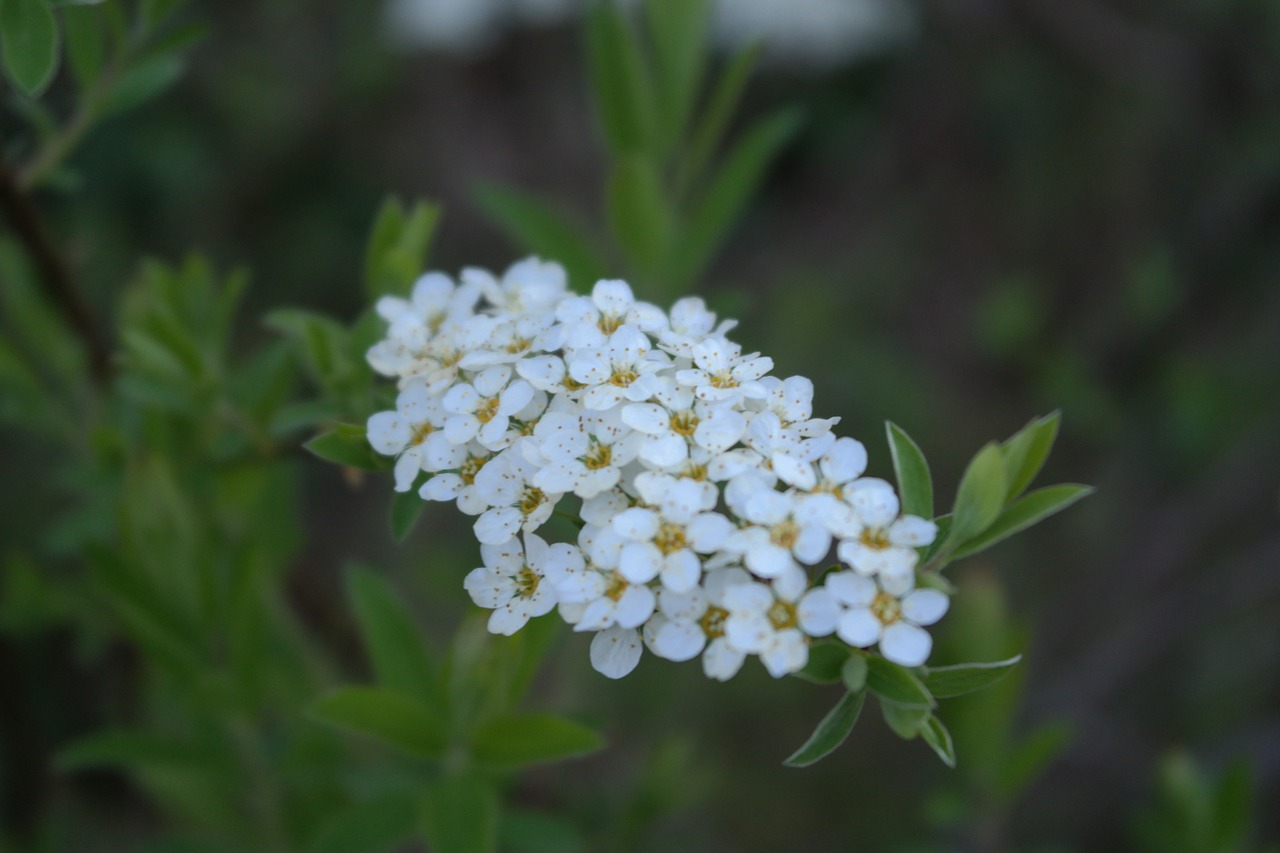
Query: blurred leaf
[
  {"x": 82, "y": 26},
  {"x": 386, "y": 715},
  {"x": 896, "y": 683},
  {"x": 732, "y": 189},
  {"x": 518, "y": 740},
  {"x": 132, "y": 750},
  {"x": 29, "y": 41},
  {"x": 379, "y": 824},
  {"x": 1031, "y": 509},
  {"x": 461, "y": 815},
  {"x": 980, "y": 496},
  {"x": 1233, "y": 807},
  {"x": 915, "y": 486},
  {"x": 532, "y": 832},
  {"x": 623, "y": 87},
  {"x": 906, "y": 721},
  {"x": 156, "y": 11},
  {"x": 638, "y": 211},
  {"x": 395, "y": 646},
  {"x": 142, "y": 82},
  {"x": 720, "y": 108},
  {"x": 947, "y": 681},
  {"x": 1031, "y": 757},
  {"x": 825, "y": 661},
  {"x": 830, "y": 732},
  {"x": 1026, "y": 450},
  {"x": 678, "y": 32},
  {"x": 406, "y": 509},
  {"x": 936, "y": 735},
  {"x": 538, "y": 228},
  {"x": 398, "y": 247},
  {"x": 323, "y": 342},
  {"x": 347, "y": 445},
  {"x": 854, "y": 673}
]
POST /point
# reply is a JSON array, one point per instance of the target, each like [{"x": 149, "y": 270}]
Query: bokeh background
[{"x": 995, "y": 208}]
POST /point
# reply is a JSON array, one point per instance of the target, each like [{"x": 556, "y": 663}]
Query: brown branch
[{"x": 53, "y": 272}]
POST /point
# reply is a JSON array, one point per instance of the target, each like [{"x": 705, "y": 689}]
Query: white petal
[
  {"x": 679, "y": 641},
  {"x": 845, "y": 461},
  {"x": 769, "y": 560},
  {"x": 812, "y": 544},
  {"x": 442, "y": 487},
  {"x": 637, "y": 524},
  {"x": 600, "y": 398},
  {"x": 859, "y": 627},
  {"x": 852, "y": 589},
  {"x": 615, "y": 651},
  {"x": 819, "y": 611},
  {"x": 722, "y": 661},
  {"x": 639, "y": 562},
  {"x": 498, "y": 525},
  {"x": 787, "y": 653},
  {"x": 461, "y": 400},
  {"x": 906, "y": 644},
  {"x": 388, "y": 432},
  {"x": 750, "y": 633},
  {"x": 794, "y": 472},
  {"x": 664, "y": 451},
  {"x": 912, "y": 532},
  {"x": 635, "y": 606},
  {"x": 508, "y": 619},
  {"x": 514, "y": 398},
  {"x": 612, "y": 296},
  {"x": 708, "y": 531},
  {"x": 681, "y": 571},
  {"x": 488, "y": 589},
  {"x": 490, "y": 381},
  {"x": 407, "y": 468},
  {"x": 720, "y": 430},
  {"x": 925, "y": 606},
  {"x": 649, "y": 418}
]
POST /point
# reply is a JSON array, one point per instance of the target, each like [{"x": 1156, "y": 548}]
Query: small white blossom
[
  {"x": 894, "y": 618},
  {"x": 513, "y": 581}
]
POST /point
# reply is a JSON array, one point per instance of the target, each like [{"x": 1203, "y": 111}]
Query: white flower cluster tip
[{"x": 706, "y": 491}]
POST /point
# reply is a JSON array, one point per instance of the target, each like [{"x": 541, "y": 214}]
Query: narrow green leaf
[
  {"x": 906, "y": 721},
  {"x": 394, "y": 645},
  {"x": 980, "y": 496},
  {"x": 1030, "y": 509},
  {"x": 734, "y": 185},
  {"x": 624, "y": 93},
  {"x": 830, "y": 732},
  {"x": 461, "y": 815},
  {"x": 539, "y": 228},
  {"x": 29, "y": 41},
  {"x": 1031, "y": 757},
  {"x": 83, "y": 29},
  {"x": 854, "y": 673},
  {"x": 398, "y": 248},
  {"x": 1026, "y": 451},
  {"x": 386, "y": 715},
  {"x": 142, "y": 82},
  {"x": 947, "y": 681},
  {"x": 1232, "y": 806},
  {"x": 517, "y": 740},
  {"x": 349, "y": 450},
  {"x": 523, "y": 831},
  {"x": 896, "y": 683},
  {"x": 678, "y": 32},
  {"x": 825, "y": 662},
  {"x": 131, "y": 749},
  {"x": 380, "y": 824},
  {"x": 915, "y": 485},
  {"x": 151, "y": 620},
  {"x": 387, "y": 226},
  {"x": 638, "y": 211},
  {"x": 406, "y": 509},
  {"x": 720, "y": 108},
  {"x": 936, "y": 735}
]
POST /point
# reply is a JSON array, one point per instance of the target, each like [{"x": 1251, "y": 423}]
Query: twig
[{"x": 53, "y": 272}]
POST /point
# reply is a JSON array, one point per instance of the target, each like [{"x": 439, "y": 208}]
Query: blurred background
[{"x": 993, "y": 209}]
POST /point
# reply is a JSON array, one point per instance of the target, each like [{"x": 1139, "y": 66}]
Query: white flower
[
  {"x": 514, "y": 585},
  {"x": 692, "y": 623},
  {"x": 791, "y": 399},
  {"x": 876, "y": 541},
  {"x": 894, "y": 619},
  {"x": 691, "y": 323},
  {"x": 678, "y": 420},
  {"x": 666, "y": 544},
  {"x": 775, "y": 620},
  {"x": 722, "y": 374},
  {"x": 615, "y": 651},
  {"x": 460, "y": 485},
  {"x": 412, "y": 434},
  {"x": 590, "y": 321},
  {"x": 482, "y": 409},
  {"x": 619, "y": 370},
  {"x": 530, "y": 287},
  {"x": 782, "y": 531},
  {"x": 582, "y": 453},
  {"x": 506, "y": 485}
]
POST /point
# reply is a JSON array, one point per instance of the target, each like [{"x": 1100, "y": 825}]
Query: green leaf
[
  {"x": 896, "y": 683},
  {"x": 143, "y": 82},
  {"x": 348, "y": 446},
  {"x": 516, "y": 740},
  {"x": 1031, "y": 757},
  {"x": 947, "y": 681},
  {"x": 522, "y": 831},
  {"x": 83, "y": 29},
  {"x": 830, "y": 732},
  {"x": 29, "y": 40},
  {"x": 906, "y": 721},
  {"x": 915, "y": 486},
  {"x": 624, "y": 92},
  {"x": 638, "y": 211},
  {"x": 936, "y": 735},
  {"x": 716, "y": 115},
  {"x": 1025, "y": 452},
  {"x": 394, "y": 645},
  {"x": 825, "y": 662},
  {"x": 461, "y": 815},
  {"x": 131, "y": 749},
  {"x": 678, "y": 32},
  {"x": 398, "y": 247},
  {"x": 386, "y": 715},
  {"x": 406, "y": 509},
  {"x": 854, "y": 673},
  {"x": 980, "y": 496},
  {"x": 379, "y": 824},
  {"x": 537, "y": 227},
  {"x": 1030, "y": 509},
  {"x": 731, "y": 190}
]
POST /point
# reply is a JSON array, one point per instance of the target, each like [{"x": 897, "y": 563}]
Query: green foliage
[
  {"x": 915, "y": 485},
  {"x": 1194, "y": 811},
  {"x": 516, "y": 740},
  {"x": 29, "y": 41},
  {"x": 830, "y": 732},
  {"x": 398, "y": 247},
  {"x": 460, "y": 815},
  {"x": 387, "y": 716},
  {"x": 945, "y": 682}
]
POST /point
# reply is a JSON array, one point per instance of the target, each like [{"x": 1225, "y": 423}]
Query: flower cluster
[{"x": 706, "y": 491}]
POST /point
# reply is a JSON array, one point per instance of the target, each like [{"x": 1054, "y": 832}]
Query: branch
[{"x": 53, "y": 272}]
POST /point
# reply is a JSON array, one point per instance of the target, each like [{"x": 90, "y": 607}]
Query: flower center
[
  {"x": 487, "y": 409},
  {"x": 527, "y": 582},
  {"x": 886, "y": 608},
  {"x": 694, "y": 471},
  {"x": 435, "y": 320},
  {"x": 420, "y": 433},
  {"x": 571, "y": 384},
  {"x": 723, "y": 379},
  {"x": 468, "y": 470},
  {"x": 782, "y": 615},
  {"x": 785, "y": 534},
  {"x": 616, "y": 586},
  {"x": 599, "y": 456},
  {"x": 825, "y": 487},
  {"x": 670, "y": 538},
  {"x": 684, "y": 423},
  {"x": 532, "y": 498},
  {"x": 450, "y": 358},
  {"x": 519, "y": 345},
  {"x": 623, "y": 377},
  {"x": 874, "y": 538},
  {"x": 712, "y": 622},
  {"x": 609, "y": 323}
]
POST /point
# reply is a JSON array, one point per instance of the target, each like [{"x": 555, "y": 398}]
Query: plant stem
[{"x": 54, "y": 274}]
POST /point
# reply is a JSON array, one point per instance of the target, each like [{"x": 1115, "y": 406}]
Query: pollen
[
  {"x": 723, "y": 379},
  {"x": 420, "y": 433},
  {"x": 684, "y": 423},
  {"x": 785, "y": 534},
  {"x": 519, "y": 345},
  {"x": 874, "y": 537},
  {"x": 527, "y": 581},
  {"x": 487, "y": 410},
  {"x": 886, "y": 608},
  {"x": 609, "y": 323},
  {"x": 468, "y": 470},
  {"x": 670, "y": 538},
  {"x": 599, "y": 456},
  {"x": 782, "y": 615},
  {"x": 617, "y": 585},
  {"x": 532, "y": 498},
  {"x": 712, "y": 622},
  {"x": 623, "y": 377}
]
